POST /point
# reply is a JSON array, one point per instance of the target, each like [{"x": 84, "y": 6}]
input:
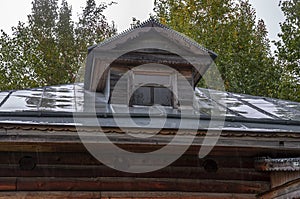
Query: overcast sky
[{"x": 12, "y": 11}]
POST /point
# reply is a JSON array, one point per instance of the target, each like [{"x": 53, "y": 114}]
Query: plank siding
[
  {"x": 281, "y": 177},
  {"x": 125, "y": 86}
]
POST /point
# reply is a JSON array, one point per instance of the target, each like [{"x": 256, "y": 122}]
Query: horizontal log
[
  {"x": 138, "y": 59},
  {"x": 49, "y": 195},
  {"x": 41, "y": 147},
  {"x": 174, "y": 195},
  {"x": 48, "y": 158},
  {"x": 84, "y": 171},
  {"x": 61, "y": 146},
  {"x": 119, "y": 70},
  {"x": 119, "y": 64},
  {"x": 8, "y": 184},
  {"x": 123, "y": 195},
  {"x": 140, "y": 184},
  {"x": 63, "y": 158},
  {"x": 47, "y": 140},
  {"x": 60, "y": 134},
  {"x": 52, "y": 147}
]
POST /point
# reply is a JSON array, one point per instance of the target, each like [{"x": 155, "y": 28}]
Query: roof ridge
[
  {"x": 158, "y": 24},
  {"x": 127, "y": 31}
]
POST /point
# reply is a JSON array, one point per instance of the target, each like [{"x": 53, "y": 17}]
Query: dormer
[{"x": 147, "y": 65}]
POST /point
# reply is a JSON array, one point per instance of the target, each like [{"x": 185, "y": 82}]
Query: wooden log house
[{"x": 42, "y": 154}]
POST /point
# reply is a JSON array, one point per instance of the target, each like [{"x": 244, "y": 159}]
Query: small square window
[
  {"x": 151, "y": 88},
  {"x": 150, "y": 95}
]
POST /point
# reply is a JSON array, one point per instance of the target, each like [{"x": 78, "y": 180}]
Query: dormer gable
[{"x": 150, "y": 52}]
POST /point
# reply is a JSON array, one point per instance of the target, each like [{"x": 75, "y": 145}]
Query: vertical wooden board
[
  {"x": 98, "y": 76},
  {"x": 280, "y": 178}
]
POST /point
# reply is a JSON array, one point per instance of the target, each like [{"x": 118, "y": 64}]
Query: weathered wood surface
[
  {"x": 280, "y": 178},
  {"x": 56, "y": 169},
  {"x": 125, "y": 85},
  {"x": 61, "y": 146},
  {"x": 131, "y": 184},
  {"x": 288, "y": 190},
  {"x": 174, "y": 195},
  {"x": 139, "y": 58},
  {"x": 49, "y": 139},
  {"x": 50, "y": 195},
  {"x": 8, "y": 184},
  {"x": 118, "y": 195},
  {"x": 84, "y": 158},
  {"x": 102, "y": 171},
  {"x": 54, "y": 147}
]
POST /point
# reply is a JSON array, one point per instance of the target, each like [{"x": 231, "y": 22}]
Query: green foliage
[
  {"x": 288, "y": 50},
  {"x": 228, "y": 28},
  {"x": 92, "y": 27},
  {"x": 16, "y": 59},
  {"x": 49, "y": 49},
  {"x": 66, "y": 42},
  {"x": 135, "y": 22},
  {"x": 42, "y": 23}
]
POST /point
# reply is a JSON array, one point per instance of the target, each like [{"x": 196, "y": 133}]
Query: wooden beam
[
  {"x": 49, "y": 195},
  {"x": 173, "y": 195},
  {"x": 140, "y": 184},
  {"x": 65, "y": 141},
  {"x": 8, "y": 184},
  {"x": 118, "y": 195},
  {"x": 61, "y": 146},
  {"x": 85, "y": 171},
  {"x": 287, "y": 190},
  {"x": 235, "y": 160}
]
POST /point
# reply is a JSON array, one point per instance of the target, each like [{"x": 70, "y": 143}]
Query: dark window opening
[{"x": 150, "y": 95}]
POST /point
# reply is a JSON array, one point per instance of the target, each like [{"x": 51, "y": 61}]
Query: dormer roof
[
  {"x": 150, "y": 34},
  {"x": 152, "y": 22}
]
